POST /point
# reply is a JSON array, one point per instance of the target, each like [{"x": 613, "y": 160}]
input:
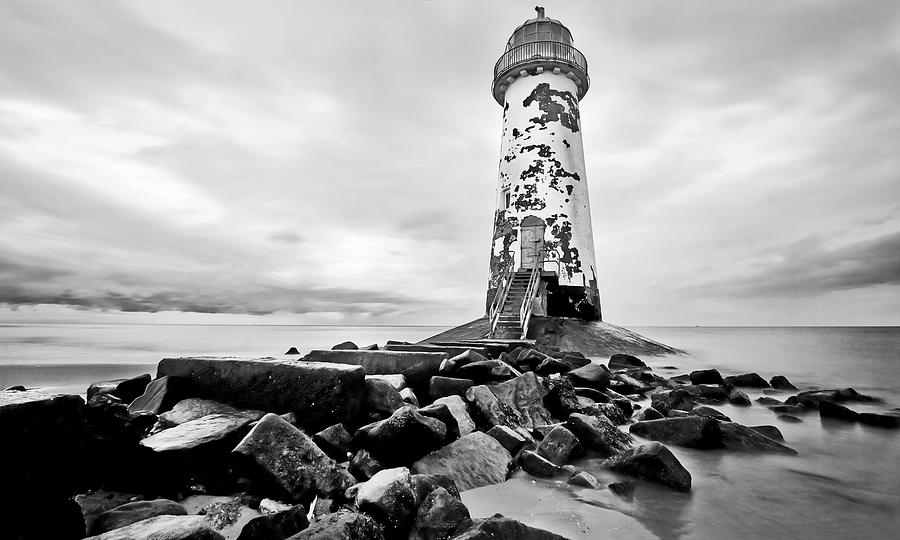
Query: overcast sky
[{"x": 326, "y": 162}]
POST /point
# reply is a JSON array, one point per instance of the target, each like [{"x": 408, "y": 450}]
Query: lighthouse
[{"x": 542, "y": 253}]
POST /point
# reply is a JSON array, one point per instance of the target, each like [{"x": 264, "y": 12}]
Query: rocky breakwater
[{"x": 359, "y": 443}]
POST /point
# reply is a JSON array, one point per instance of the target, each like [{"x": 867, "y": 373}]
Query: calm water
[{"x": 845, "y": 482}]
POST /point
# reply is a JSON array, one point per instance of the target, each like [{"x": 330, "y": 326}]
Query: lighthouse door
[{"x": 531, "y": 241}]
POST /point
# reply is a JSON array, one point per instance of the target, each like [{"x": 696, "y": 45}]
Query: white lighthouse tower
[{"x": 542, "y": 256}]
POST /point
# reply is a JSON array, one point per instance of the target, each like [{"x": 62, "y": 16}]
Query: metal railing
[
  {"x": 528, "y": 300},
  {"x": 500, "y": 298},
  {"x": 541, "y": 50}
]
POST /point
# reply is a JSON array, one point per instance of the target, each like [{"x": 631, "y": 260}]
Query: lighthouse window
[{"x": 506, "y": 198}]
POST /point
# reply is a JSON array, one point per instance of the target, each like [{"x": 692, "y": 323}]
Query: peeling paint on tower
[{"x": 542, "y": 169}]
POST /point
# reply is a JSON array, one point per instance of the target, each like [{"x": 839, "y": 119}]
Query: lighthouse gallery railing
[{"x": 540, "y": 50}]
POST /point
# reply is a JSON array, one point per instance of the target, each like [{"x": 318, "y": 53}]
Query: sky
[{"x": 297, "y": 162}]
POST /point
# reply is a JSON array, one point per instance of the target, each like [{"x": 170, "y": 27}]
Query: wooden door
[{"x": 531, "y": 242}]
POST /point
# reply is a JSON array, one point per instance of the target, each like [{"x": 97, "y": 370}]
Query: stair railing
[
  {"x": 499, "y": 299},
  {"x": 530, "y": 295}
]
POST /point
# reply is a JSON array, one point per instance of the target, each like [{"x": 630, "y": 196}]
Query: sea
[{"x": 845, "y": 482}]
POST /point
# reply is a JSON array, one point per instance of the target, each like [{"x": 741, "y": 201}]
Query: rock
[
  {"x": 560, "y": 446},
  {"x": 389, "y": 497},
  {"x": 512, "y": 440},
  {"x": 655, "y": 463},
  {"x": 488, "y": 410},
  {"x": 666, "y": 400},
  {"x": 440, "y": 411},
  {"x": 501, "y": 528},
  {"x": 561, "y": 400},
  {"x": 552, "y": 366},
  {"x": 598, "y": 434},
  {"x": 736, "y": 397},
  {"x": 200, "y": 435},
  {"x": 781, "y": 382},
  {"x": 460, "y": 412},
  {"x": 648, "y": 414},
  {"x": 345, "y": 346},
  {"x": 595, "y": 376},
  {"x": 793, "y": 409},
  {"x": 342, "y": 525},
  {"x": 194, "y": 408},
  {"x": 424, "y": 484},
  {"x": 766, "y": 400},
  {"x": 574, "y": 360},
  {"x": 706, "y": 376},
  {"x": 396, "y": 380},
  {"x": 707, "y": 393},
  {"x": 381, "y": 399},
  {"x": 594, "y": 395},
  {"x": 709, "y": 412},
  {"x": 15, "y": 388},
  {"x": 738, "y": 438},
  {"x": 335, "y": 441},
  {"x": 287, "y": 463},
  {"x": 528, "y": 358},
  {"x": 402, "y": 438},
  {"x": 525, "y": 395},
  {"x": 133, "y": 512},
  {"x": 159, "y": 396},
  {"x": 439, "y": 516},
  {"x": 625, "y": 361},
  {"x": 609, "y": 410},
  {"x": 749, "y": 380},
  {"x": 771, "y": 432},
  {"x": 320, "y": 394},
  {"x": 271, "y": 506},
  {"x": 828, "y": 409},
  {"x": 623, "y": 489},
  {"x": 689, "y": 431},
  {"x": 417, "y": 367},
  {"x": 452, "y": 364},
  {"x": 448, "y": 386},
  {"x": 472, "y": 461},
  {"x": 292, "y": 350},
  {"x": 409, "y": 397},
  {"x": 630, "y": 385},
  {"x": 484, "y": 371},
  {"x": 125, "y": 389},
  {"x": 890, "y": 419},
  {"x": 364, "y": 466},
  {"x": 537, "y": 465},
  {"x": 276, "y": 525},
  {"x": 164, "y": 528},
  {"x": 584, "y": 479},
  {"x": 370, "y": 347},
  {"x": 789, "y": 419}
]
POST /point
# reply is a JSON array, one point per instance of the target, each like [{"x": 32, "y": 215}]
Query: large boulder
[
  {"x": 342, "y": 525},
  {"x": 194, "y": 408},
  {"x": 780, "y": 382},
  {"x": 417, "y": 367},
  {"x": 472, "y": 461},
  {"x": 276, "y": 525},
  {"x": 200, "y": 436},
  {"x": 655, "y": 463},
  {"x": 771, "y": 432},
  {"x": 488, "y": 410},
  {"x": 561, "y": 399},
  {"x": 286, "y": 463},
  {"x": 402, "y": 438},
  {"x": 748, "y": 380},
  {"x": 707, "y": 393},
  {"x": 887, "y": 419},
  {"x": 439, "y": 516},
  {"x": 469, "y": 356},
  {"x": 689, "y": 431},
  {"x": 164, "y": 527},
  {"x": 345, "y": 346},
  {"x": 525, "y": 395},
  {"x": 460, "y": 412},
  {"x": 132, "y": 512},
  {"x": 440, "y": 411},
  {"x": 596, "y": 376},
  {"x": 537, "y": 465},
  {"x": 740, "y": 438},
  {"x": 666, "y": 400},
  {"x": 485, "y": 371},
  {"x": 335, "y": 441},
  {"x": 560, "y": 446},
  {"x": 448, "y": 386},
  {"x": 396, "y": 380},
  {"x": 625, "y": 361},
  {"x": 828, "y": 409},
  {"x": 125, "y": 389},
  {"x": 320, "y": 394},
  {"x": 736, "y": 397},
  {"x": 381, "y": 399},
  {"x": 706, "y": 376},
  {"x": 389, "y": 497},
  {"x": 501, "y": 528},
  {"x": 598, "y": 434},
  {"x": 159, "y": 396},
  {"x": 647, "y": 413},
  {"x": 364, "y": 465},
  {"x": 511, "y": 439}
]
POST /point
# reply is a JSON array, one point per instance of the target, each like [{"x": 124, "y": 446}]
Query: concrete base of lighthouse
[{"x": 592, "y": 338}]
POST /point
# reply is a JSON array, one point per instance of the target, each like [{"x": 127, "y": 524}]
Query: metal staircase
[{"x": 511, "y": 309}]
